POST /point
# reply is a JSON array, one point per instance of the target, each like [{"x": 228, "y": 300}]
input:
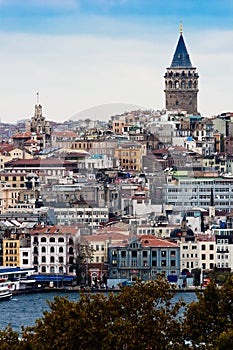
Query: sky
[{"x": 83, "y": 53}]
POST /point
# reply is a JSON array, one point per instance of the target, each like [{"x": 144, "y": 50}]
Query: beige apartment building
[
  {"x": 11, "y": 252},
  {"x": 130, "y": 155}
]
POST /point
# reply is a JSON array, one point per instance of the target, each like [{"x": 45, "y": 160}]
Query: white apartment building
[
  {"x": 53, "y": 249},
  {"x": 185, "y": 190},
  {"x": 199, "y": 253},
  {"x": 224, "y": 247},
  {"x": 93, "y": 217}
]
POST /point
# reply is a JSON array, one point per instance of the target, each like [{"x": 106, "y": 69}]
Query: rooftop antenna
[
  {"x": 37, "y": 97},
  {"x": 181, "y": 28}
]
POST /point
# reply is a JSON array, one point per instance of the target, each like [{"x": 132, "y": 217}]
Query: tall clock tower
[{"x": 181, "y": 81}]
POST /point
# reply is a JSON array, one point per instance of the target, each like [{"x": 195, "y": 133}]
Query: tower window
[{"x": 177, "y": 102}]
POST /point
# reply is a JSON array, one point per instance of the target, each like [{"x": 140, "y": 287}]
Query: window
[
  {"x": 203, "y": 247},
  {"x": 43, "y": 250},
  {"x": 154, "y": 254},
  {"x": 211, "y": 256},
  {"x": 51, "y": 239},
  {"x": 97, "y": 247},
  {"x": 203, "y": 257},
  {"x": 43, "y": 239},
  {"x": 173, "y": 253},
  {"x": 163, "y": 263},
  {"x": 123, "y": 254},
  {"x": 52, "y": 259},
  {"x": 43, "y": 259},
  {"x": 211, "y": 247},
  {"x": 60, "y": 239},
  {"x": 52, "y": 250},
  {"x": 60, "y": 249},
  {"x": 144, "y": 253},
  {"x": 163, "y": 253},
  {"x": 134, "y": 254}
]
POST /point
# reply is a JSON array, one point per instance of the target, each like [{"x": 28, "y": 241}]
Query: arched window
[
  {"x": 170, "y": 84},
  {"x": 43, "y": 270},
  {"x": 51, "y": 239},
  {"x": 60, "y": 239},
  {"x": 71, "y": 241},
  {"x": 195, "y": 84},
  {"x": 60, "y": 249},
  {"x": 52, "y": 270},
  {"x": 52, "y": 250},
  {"x": 43, "y": 259},
  {"x": 183, "y": 85},
  {"x": 61, "y": 260},
  {"x": 177, "y": 85},
  {"x": 43, "y": 239},
  {"x": 71, "y": 250},
  {"x": 43, "y": 250},
  {"x": 60, "y": 269},
  {"x": 190, "y": 84},
  {"x": 71, "y": 260},
  {"x": 52, "y": 259}
]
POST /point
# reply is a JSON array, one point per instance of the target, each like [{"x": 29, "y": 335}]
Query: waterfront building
[
  {"x": 53, "y": 249},
  {"x": 11, "y": 252},
  {"x": 143, "y": 257}
]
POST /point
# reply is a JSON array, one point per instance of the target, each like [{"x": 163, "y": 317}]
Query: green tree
[
  {"x": 83, "y": 256},
  {"x": 208, "y": 321},
  {"x": 139, "y": 317}
]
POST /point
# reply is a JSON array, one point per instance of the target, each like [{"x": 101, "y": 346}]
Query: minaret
[
  {"x": 181, "y": 81},
  {"x": 212, "y": 206}
]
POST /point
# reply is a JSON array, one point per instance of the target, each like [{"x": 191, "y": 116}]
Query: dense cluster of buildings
[{"x": 149, "y": 191}]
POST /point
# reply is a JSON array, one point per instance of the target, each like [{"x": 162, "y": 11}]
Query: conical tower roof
[{"x": 181, "y": 56}]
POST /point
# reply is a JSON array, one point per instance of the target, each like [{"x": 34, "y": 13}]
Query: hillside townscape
[{"x": 96, "y": 203}]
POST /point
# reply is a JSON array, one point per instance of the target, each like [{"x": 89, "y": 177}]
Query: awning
[{"x": 53, "y": 278}]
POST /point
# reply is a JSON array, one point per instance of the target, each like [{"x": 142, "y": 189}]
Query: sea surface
[{"x": 25, "y": 309}]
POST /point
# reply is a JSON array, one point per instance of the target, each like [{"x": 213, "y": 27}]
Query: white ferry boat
[{"x": 5, "y": 289}]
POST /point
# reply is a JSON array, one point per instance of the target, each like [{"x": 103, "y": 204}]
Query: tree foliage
[
  {"x": 208, "y": 322},
  {"x": 142, "y": 316},
  {"x": 83, "y": 256}
]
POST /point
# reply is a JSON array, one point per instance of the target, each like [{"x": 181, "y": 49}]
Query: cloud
[{"x": 76, "y": 72}]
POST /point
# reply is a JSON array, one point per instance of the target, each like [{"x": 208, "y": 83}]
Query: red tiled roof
[
  {"x": 147, "y": 241},
  {"x": 6, "y": 147},
  {"x": 54, "y": 230},
  {"x": 46, "y": 161},
  {"x": 28, "y": 142},
  {"x": 22, "y": 135},
  {"x": 104, "y": 237}
]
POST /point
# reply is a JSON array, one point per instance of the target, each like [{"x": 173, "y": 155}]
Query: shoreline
[{"x": 89, "y": 290}]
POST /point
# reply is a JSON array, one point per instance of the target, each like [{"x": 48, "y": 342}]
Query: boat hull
[{"x": 5, "y": 296}]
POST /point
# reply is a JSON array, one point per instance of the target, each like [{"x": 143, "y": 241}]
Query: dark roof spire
[{"x": 181, "y": 56}]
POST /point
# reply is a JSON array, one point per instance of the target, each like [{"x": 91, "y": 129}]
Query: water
[{"x": 25, "y": 309}]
